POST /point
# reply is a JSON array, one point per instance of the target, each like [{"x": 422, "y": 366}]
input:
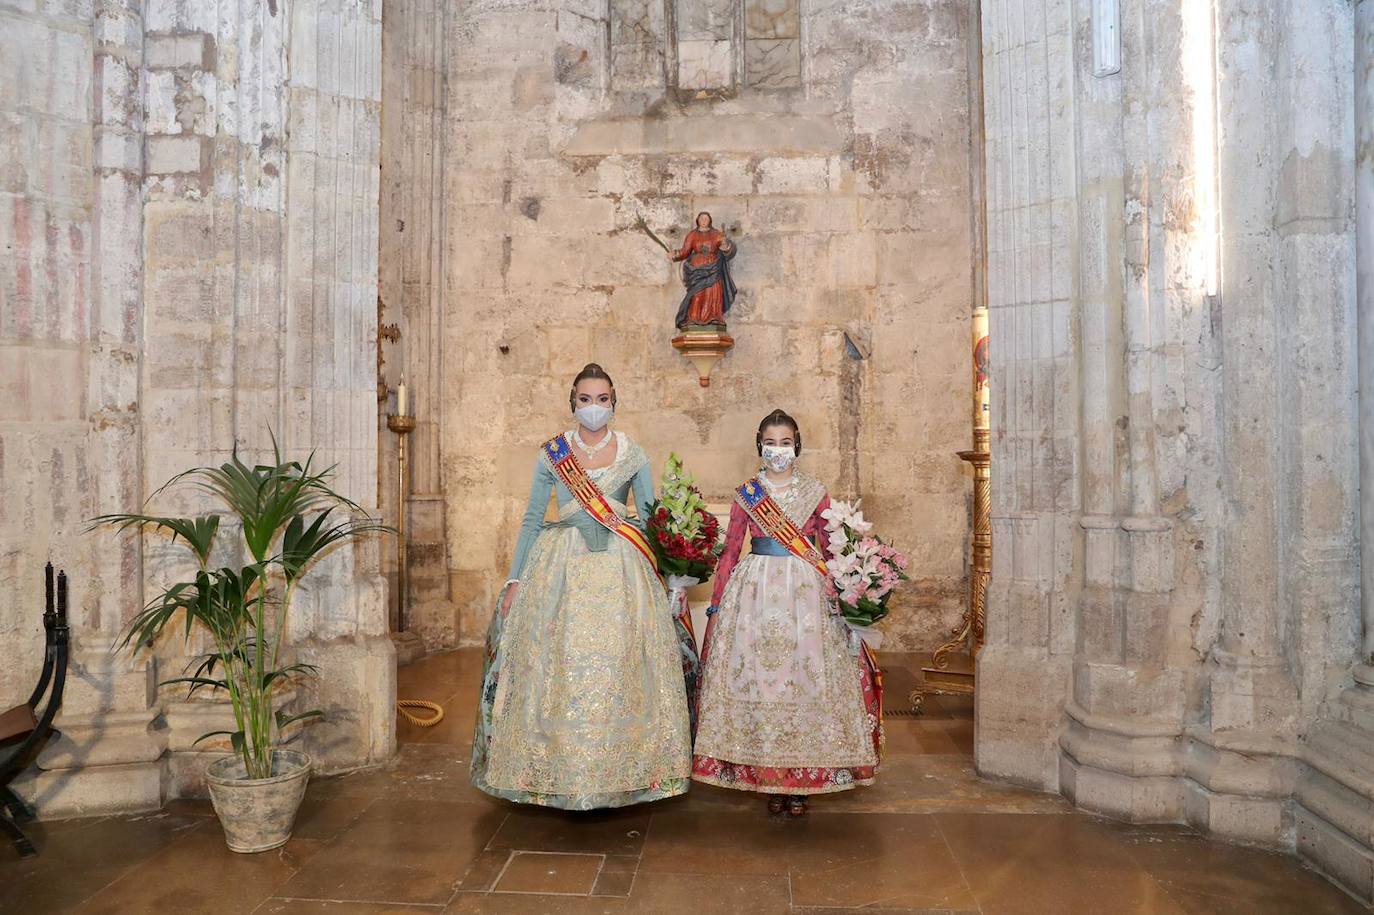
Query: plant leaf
[
  {"x": 230, "y": 734},
  {"x": 196, "y": 683},
  {"x": 283, "y": 719}
]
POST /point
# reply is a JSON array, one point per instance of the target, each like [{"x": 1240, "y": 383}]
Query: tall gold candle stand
[
  {"x": 402, "y": 424},
  {"x": 951, "y": 669}
]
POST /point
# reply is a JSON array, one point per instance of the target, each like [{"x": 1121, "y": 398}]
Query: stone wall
[
  {"x": 191, "y": 189},
  {"x": 1174, "y": 620},
  {"x": 830, "y": 138}
]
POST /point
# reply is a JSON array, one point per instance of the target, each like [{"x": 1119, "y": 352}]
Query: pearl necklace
[{"x": 591, "y": 450}]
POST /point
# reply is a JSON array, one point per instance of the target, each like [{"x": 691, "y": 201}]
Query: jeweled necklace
[
  {"x": 592, "y": 450},
  {"x": 777, "y": 488}
]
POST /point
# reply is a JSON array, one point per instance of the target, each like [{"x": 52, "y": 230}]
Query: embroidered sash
[
  {"x": 558, "y": 454},
  {"x": 768, "y": 514}
]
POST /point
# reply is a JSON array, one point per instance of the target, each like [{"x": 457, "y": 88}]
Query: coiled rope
[{"x": 404, "y": 705}]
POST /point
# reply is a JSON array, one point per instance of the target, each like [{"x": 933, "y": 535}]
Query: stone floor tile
[
  {"x": 176, "y": 879},
  {"x": 918, "y": 736},
  {"x": 709, "y": 894},
  {"x": 77, "y": 858},
  {"x": 1207, "y": 875},
  {"x": 1020, "y": 887},
  {"x": 982, "y": 843},
  {"x": 938, "y": 784},
  {"x": 961, "y": 735},
  {"x": 322, "y": 816},
  {"x": 874, "y": 910},
  {"x": 399, "y": 851},
  {"x": 485, "y": 870},
  {"x": 322, "y": 907},
  {"x": 418, "y": 772},
  {"x": 1206, "y": 904},
  {"x": 688, "y": 841},
  {"x": 549, "y": 872},
  {"x": 889, "y": 860},
  {"x": 617, "y": 875},
  {"x": 523, "y": 904},
  {"x": 462, "y": 667},
  {"x": 608, "y": 832}
]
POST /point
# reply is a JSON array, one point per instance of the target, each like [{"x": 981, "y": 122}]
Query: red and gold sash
[
  {"x": 768, "y": 514},
  {"x": 558, "y": 454}
]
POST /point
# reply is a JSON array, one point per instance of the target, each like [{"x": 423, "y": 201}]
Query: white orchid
[
  {"x": 837, "y": 514},
  {"x": 843, "y": 564}
]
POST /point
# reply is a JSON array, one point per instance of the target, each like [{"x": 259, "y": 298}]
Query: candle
[
  {"x": 61, "y": 595},
  {"x": 47, "y": 595},
  {"x": 401, "y": 403}
]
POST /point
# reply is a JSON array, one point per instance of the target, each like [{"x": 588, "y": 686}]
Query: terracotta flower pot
[{"x": 258, "y": 813}]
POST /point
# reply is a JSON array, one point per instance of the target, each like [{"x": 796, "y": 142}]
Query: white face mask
[
  {"x": 778, "y": 458},
  {"x": 594, "y": 416}
]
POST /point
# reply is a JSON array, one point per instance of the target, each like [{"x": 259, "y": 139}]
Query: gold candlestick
[
  {"x": 402, "y": 424},
  {"x": 958, "y": 677}
]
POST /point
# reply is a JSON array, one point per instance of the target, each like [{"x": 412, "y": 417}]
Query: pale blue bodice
[{"x": 630, "y": 471}]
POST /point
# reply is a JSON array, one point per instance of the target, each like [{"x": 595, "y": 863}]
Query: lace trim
[{"x": 801, "y": 498}]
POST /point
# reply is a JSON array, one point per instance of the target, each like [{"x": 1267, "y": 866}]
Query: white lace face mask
[{"x": 778, "y": 458}]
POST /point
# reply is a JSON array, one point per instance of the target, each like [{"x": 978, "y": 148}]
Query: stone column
[
  {"x": 332, "y": 95},
  {"x": 107, "y": 756},
  {"x": 1364, "y": 290},
  {"x": 1024, "y": 667},
  {"x": 1127, "y": 704},
  {"x": 1250, "y": 673}
]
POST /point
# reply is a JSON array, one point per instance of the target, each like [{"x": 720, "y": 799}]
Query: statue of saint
[{"x": 705, "y": 256}]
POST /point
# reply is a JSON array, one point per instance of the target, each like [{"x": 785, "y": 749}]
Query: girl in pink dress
[{"x": 788, "y": 706}]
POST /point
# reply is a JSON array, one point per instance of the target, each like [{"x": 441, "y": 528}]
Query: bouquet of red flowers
[{"x": 685, "y": 536}]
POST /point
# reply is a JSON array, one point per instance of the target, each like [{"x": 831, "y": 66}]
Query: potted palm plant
[{"x": 288, "y": 517}]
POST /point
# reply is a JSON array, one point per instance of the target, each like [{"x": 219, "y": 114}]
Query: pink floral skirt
[{"x": 784, "y": 706}]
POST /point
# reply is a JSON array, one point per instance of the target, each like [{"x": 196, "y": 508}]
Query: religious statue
[{"x": 705, "y": 256}]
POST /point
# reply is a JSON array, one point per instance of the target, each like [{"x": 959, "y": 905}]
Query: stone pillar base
[
  {"x": 357, "y": 693},
  {"x": 1018, "y": 709},
  {"x": 107, "y": 756},
  {"x": 92, "y": 791},
  {"x": 1334, "y": 813},
  {"x": 409, "y": 647}
]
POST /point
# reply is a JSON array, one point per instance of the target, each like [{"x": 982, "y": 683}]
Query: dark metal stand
[{"x": 23, "y": 730}]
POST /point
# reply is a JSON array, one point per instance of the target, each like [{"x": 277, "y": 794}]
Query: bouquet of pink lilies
[{"x": 864, "y": 569}]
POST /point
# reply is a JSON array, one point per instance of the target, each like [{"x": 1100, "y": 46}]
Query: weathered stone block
[
  {"x": 168, "y": 155},
  {"x": 191, "y": 50}
]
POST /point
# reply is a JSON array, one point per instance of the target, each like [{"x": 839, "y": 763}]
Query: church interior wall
[{"x": 836, "y": 153}]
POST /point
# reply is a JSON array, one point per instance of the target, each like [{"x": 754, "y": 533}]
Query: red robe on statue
[{"x": 704, "y": 251}]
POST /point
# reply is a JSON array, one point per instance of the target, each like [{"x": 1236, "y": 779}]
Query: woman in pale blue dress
[{"x": 583, "y": 702}]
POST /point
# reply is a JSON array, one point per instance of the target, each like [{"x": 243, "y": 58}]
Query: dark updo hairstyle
[
  {"x": 779, "y": 418},
  {"x": 589, "y": 371}
]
